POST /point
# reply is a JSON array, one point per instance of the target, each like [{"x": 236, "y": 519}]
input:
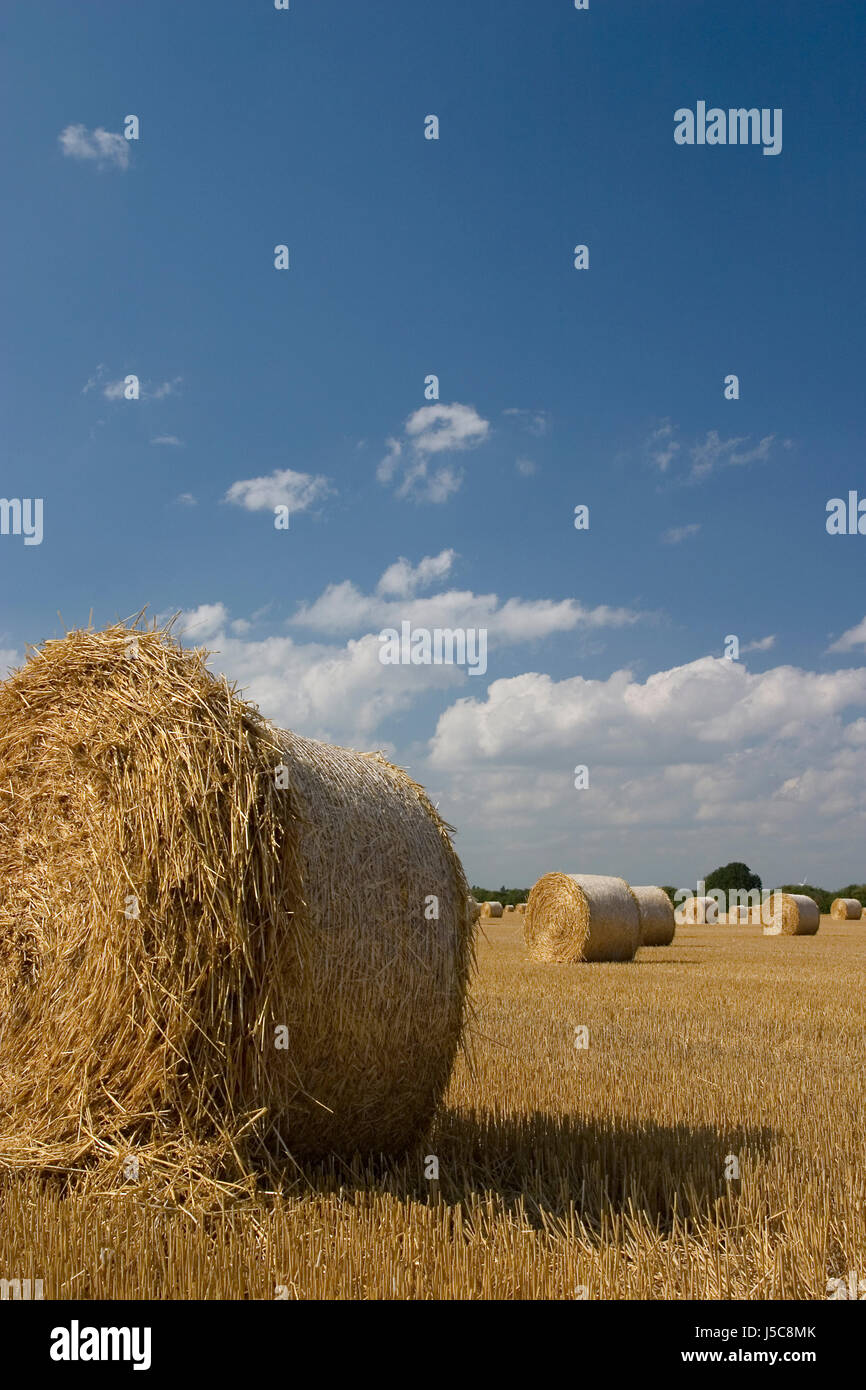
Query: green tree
[{"x": 733, "y": 878}]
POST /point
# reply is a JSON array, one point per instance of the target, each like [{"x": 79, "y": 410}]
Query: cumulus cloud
[
  {"x": 104, "y": 147},
  {"x": 343, "y": 608},
  {"x": 203, "y": 623},
  {"x": 761, "y": 644},
  {"x": 284, "y": 487},
  {"x": 402, "y": 579},
  {"x": 169, "y": 439},
  {"x": 340, "y": 693},
  {"x": 854, "y": 637},
  {"x": 430, "y": 431},
  {"x": 689, "y": 768}
]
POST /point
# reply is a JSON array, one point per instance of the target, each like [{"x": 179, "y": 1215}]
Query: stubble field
[{"x": 605, "y": 1171}]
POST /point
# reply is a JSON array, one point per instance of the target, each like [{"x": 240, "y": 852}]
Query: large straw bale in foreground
[
  {"x": 208, "y": 924},
  {"x": 846, "y": 910},
  {"x": 790, "y": 914},
  {"x": 581, "y": 917},
  {"x": 656, "y": 910}
]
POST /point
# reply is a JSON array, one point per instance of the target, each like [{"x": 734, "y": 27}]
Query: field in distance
[{"x": 589, "y": 1151}]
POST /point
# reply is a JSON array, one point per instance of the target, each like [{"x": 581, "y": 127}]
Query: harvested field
[{"x": 564, "y": 1171}]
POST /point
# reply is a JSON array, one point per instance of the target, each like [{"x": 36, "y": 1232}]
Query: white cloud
[
  {"x": 688, "y": 769},
  {"x": 436, "y": 429},
  {"x": 854, "y": 637},
  {"x": 284, "y": 487},
  {"x": 402, "y": 579},
  {"x": 203, "y": 623},
  {"x": 114, "y": 391},
  {"x": 714, "y": 451},
  {"x": 762, "y": 644},
  {"x": 344, "y": 609},
  {"x": 430, "y": 431},
  {"x": 535, "y": 422},
  {"x": 707, "y": 454},
  {"x": 343, "y": 694},
  {"x": 9, "y": 659},
  {"x": 186, "y": 499},
  {"x": 681, "y": 533},
  {"x": 662, "y": 446},
  {"x": 166, "y": 388},
  {"x": 526, "y": 467},
  {"x": 106, "y": 148},
  {"x": 171, "y": 439}
]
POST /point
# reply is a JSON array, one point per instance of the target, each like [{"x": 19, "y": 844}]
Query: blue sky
[{"x": 557, "y": 387}]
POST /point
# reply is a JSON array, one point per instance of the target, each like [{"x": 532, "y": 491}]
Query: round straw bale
[
  {"x": 521, "y": 907},
  {"x": 210, "y": 927},
  {"x": 491, "y": 909},
  {"x": 790, "y": 914},
  {"x": 846, "y": 910},
  {"x": 657, "y": 924},
  {"x": 509, "y": 907},
  {"x": 581, "y": 917},
  {"x": 734, "y": 914},
  {"x": 703, "y": 910}
]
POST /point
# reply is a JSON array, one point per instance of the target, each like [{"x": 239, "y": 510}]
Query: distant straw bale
[
  {"x": 491, "y": 909},
  {"x": 846, "y": 910},
  {"x": 657, "y": 924},
  {"x": 700, "y": 910}
]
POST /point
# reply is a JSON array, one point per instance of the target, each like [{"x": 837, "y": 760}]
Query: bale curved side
[
  {"x": 846, "y": 910},
  {"x": 657, "y": 924},
  {"x": 581, "y": 917},
  {"x": 210, "y": 927}
]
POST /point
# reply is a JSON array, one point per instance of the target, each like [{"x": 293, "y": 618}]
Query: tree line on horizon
[{"x": 735, "y": 877}]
